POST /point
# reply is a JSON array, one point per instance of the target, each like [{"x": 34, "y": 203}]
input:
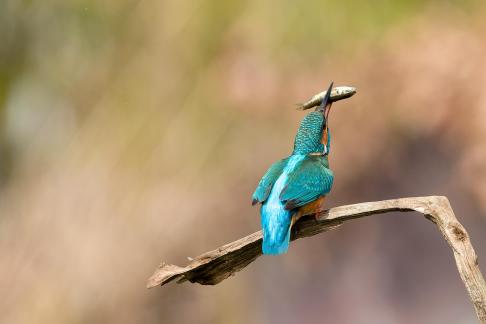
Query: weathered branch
[{"x": 212, "y": 267}]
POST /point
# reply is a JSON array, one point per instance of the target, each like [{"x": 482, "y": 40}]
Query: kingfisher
[{"x": 297, "y": 185}]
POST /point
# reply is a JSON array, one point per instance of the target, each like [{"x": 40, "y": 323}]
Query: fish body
[{"x": 337, "y": 93}]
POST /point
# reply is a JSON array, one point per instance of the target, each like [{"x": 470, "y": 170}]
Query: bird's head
[{"x": 313, "y": 135}]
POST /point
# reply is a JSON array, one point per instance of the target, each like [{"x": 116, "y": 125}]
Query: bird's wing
[
  {"x": 310, "y": 180},
  {"x": 266, "y": 183}
]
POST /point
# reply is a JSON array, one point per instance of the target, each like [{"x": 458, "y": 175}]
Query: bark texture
[{"x": 212, "y": 267}]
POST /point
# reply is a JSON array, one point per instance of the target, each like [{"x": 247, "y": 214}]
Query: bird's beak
[{"x": 325, "y": 102}]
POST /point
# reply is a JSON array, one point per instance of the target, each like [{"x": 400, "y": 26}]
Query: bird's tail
[{"x": 276, "y": 232}]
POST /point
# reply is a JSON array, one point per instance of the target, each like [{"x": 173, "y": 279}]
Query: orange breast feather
[{"x": 311, "y": 208}]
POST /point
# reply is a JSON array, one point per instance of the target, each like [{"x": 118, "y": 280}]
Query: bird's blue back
[{"x": 275, "y": 218}]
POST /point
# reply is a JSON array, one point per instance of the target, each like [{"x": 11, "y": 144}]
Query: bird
[{"x": 298, "y": 184}]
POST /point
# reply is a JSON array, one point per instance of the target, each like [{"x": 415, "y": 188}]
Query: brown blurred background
[{"x": 136, "y": 131}]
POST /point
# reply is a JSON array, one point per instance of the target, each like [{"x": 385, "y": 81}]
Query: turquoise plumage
[
  {"x": 265, "y": 186},
  {"x": 309, "y": 181},
  {"x": 294, "y": 182},
  {"x": 276, "y": 219}
]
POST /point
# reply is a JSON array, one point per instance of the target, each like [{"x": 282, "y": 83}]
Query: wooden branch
[{"x": 212, "y": 267}]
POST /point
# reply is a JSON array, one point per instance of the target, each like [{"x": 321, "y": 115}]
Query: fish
[{"x": 337, "y": 93}]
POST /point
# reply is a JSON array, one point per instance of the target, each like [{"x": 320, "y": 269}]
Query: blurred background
[{"x": 134, "y": 132}]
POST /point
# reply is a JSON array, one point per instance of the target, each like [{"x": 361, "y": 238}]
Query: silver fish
[{"x": 337, "y": 93}]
